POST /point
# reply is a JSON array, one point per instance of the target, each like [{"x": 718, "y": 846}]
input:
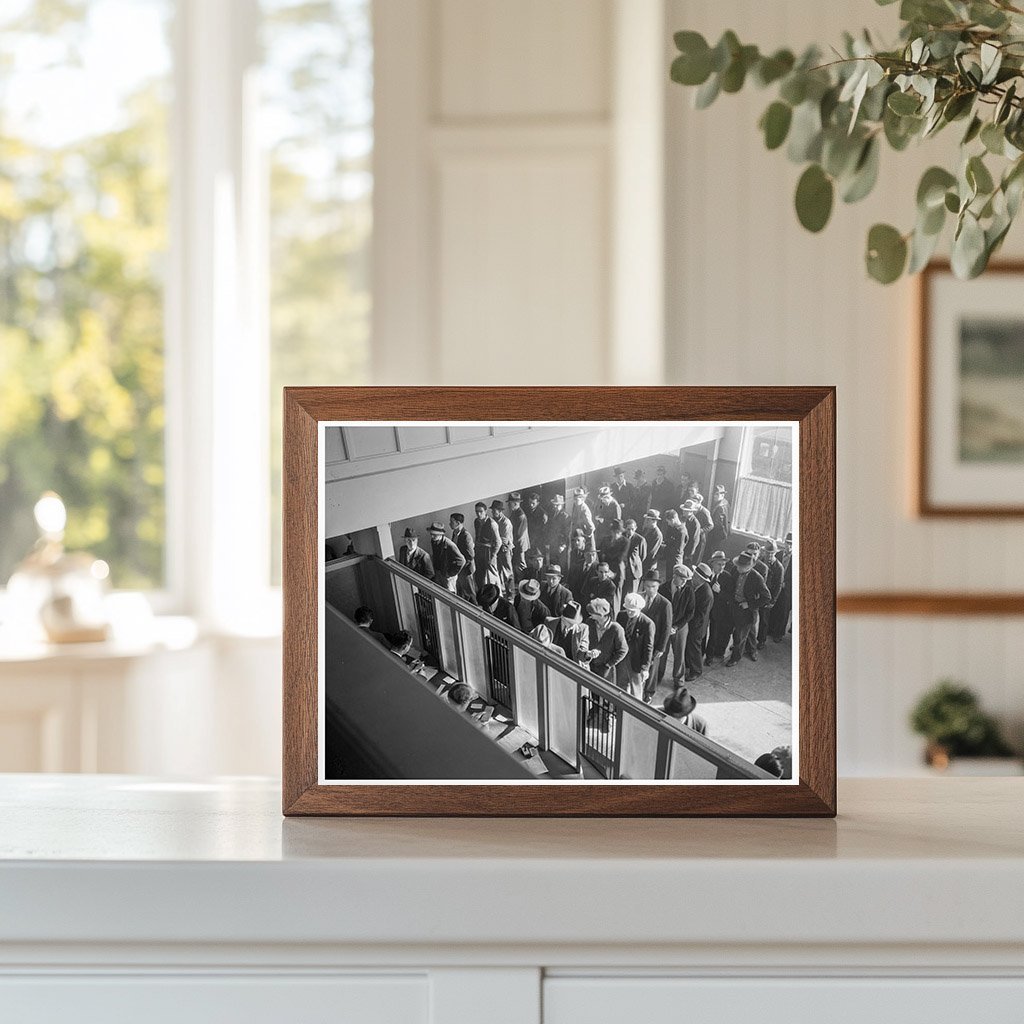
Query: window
[
  {"x": 317, "y": 116},
  {"x": 83, "y": 237},
  {"x": 764, "y": 491}
]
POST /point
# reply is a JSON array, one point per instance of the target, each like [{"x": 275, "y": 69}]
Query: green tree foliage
[
  {"x": 82, "y": 229},
  {"x": 956, "y": 61}
]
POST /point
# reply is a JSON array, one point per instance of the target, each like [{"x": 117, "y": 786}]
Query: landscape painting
[{"x": 992, "y": 390}]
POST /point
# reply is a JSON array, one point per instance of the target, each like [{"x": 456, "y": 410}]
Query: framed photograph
[
  {"x": 559, "y": 601},
  {"x": 970, "y": 450}
]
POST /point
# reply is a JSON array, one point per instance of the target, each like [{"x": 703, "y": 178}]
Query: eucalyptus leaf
[
  {"x": 922, "y": 248},
  {"x": 775, "y": 123},
  {"x": 707, "y": 93},
  {"x": 993, "y": 138},
  {"x": 978, "y": 176},
  {"x": 931, "y": 190},
  {"x": 805, "y": 133},
  {"x": 865, "y": 173},
  {"x": 814, "y": 195},
  {"x": 968, "y": 247},
  {"x": 886, "y": 253},
  {"x": 904, "y": 103}
]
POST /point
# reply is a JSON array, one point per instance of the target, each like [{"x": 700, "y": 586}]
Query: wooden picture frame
[
  {"x": 812, "y": 793},
  {"x": 925, "y": 503}
]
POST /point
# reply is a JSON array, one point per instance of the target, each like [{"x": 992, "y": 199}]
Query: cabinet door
[
  {"x": 206, "y": 999},
  {"x": 821, "y": 1000}
]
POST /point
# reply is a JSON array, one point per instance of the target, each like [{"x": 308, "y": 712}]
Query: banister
[{"x": 706, "y": 748}]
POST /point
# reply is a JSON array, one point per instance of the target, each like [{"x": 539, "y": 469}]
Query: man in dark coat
[
  {"x": 760, "y": 565},
  {"x": 552, "y": 592},
  {"x": 520, "y": 534},
  {"x": 465, "y": 585},
  {"x": 534, "y": 565},
  {"x": 659, "y": 610},
  {"x": 653, "y": 538},
  {"x": 774, "y": 581},
  {"x": 696, "y": 635},
  {"x": 622, "y": 491},
  {"x": 720, "y": 628},
  {"x": 747, "y": 593},
  {"x": 632, "y": 673},
  {"x": 447, "y": 558},
  {"x": 606, "y": 511},
  {"x": 528, "y": 611},
  {"x": 779, "y": 619},
  {"x": 640, "y": 496},
  {"x": 488, "y": 541},
  {"x": 606, "y": 640},
  {"x": 494, "y": 603},
  {"x": 412, "y": 555},
  {"x": 603, "y": 586},
  {"x": 679, "y": 594},
  {"x": 558, "y": 532},
  {"x": 664, "y": 493},
  {"x": 721, "y": 518},
  {"x": 613, "y": 550},
  {"x": 581, "y": 518},
  {"x": 571, "y": 633},
  {"x": 636, "y": 554},
  {"x": 675, "y": 535},
  {"x": 582, "y": 566},
  {"x": 693, "y": 542},
  {"x": 537, "y": 519}
]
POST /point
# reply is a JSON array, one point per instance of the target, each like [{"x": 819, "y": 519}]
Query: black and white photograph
[{"x": 558, "y": 602}]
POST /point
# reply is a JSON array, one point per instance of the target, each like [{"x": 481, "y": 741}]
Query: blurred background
[{"x": 202, "y": 201}]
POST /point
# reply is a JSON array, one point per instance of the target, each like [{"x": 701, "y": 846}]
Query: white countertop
[{"x": 124, "y": 859}]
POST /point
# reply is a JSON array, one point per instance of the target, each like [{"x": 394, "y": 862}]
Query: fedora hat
[
  {"x": 488, "y": 594},
  {"x": 410, "y": 533},
  {"x": 436, "y": 528},
  {"x": 704, "y": 571},
  {"x": 529, "y": 589},
  {"x": 652, "y": 513},
  {"x": 680, "y": 704}
]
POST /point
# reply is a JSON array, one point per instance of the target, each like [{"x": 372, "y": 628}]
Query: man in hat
[
  {"x": 537, "y": 519},
  {"x": 640, "y": 495},
  {"x": 778, "y": 619},
  {"x": 581, "y": 518},
  {"x": 528, "y": 610},
  {"x": 659, "y": 611},
  {"x": 636, "y": 554},
  {"x": 674, "y": 534},
  {"x": 747, "y": 592},
  {"x": 774, "y": 580},
  {"x": 653, "y": 538},
  {"x": 608, "y": 510},
  {"x": 679, "y": 594},
  {"x": 681, "y": 705},
  {"x": 488, "y": 541},
  {"x": 721, "y": 518},
  {"x": 465, "y": 585},
  {"x": 606, "y": 641},
  {"x": 559, "y": 531},
  {"x": 664, "y": 493},
  {"x": 412, "y": 555},
  {"x": 621, "y": 490},
  {"x": 613, "y": 550},
  {"x": 520, "y": 534},
  {"x": 632, "y": 673},
  {"x": 495, "y": 603},
  {"x": 505, "y": 547},
  {"x": 582, "y": 565},
  {"x": 697, "y": 633},
  {"x": 603, "y": 585},
  {"x": 693, "y": 542},
  {"x": 760, "y": 565},
  {"x": 571, "y": 633},
  {"x": 552, "y": 593},
  {"x": 720, "y": 626},
  {"x": 534, "y": 565},
  {"x": 447, "y": 558}
]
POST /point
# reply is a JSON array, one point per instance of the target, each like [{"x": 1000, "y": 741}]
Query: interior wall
[{"x": 752, "y": 299}]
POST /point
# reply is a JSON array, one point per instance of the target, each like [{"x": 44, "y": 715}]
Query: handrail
[{"x": 699, "y": 744}]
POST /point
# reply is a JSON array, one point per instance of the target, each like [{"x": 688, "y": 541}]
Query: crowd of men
[{"x": 644, "y": 562}]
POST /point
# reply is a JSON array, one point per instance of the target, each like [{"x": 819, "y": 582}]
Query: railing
[
  {"x": 427, "y": 621},
  {"x": 550, "y": 696}
]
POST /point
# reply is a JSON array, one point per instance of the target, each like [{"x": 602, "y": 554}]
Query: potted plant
[{"x": 950, "y": 717}]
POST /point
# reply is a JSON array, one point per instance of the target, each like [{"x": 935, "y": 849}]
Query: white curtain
[{"x": 763, "y": 507}]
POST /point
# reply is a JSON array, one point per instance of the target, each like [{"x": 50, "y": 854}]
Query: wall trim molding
[{"x": 924, "y": 602}]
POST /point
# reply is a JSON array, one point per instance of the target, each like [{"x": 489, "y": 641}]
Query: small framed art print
[
  {"x": 970, "y": 450},
  {"x": 559, "y": 601}
]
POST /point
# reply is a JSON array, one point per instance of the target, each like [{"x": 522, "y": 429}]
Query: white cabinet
[{"x": 828, "y": 1000}]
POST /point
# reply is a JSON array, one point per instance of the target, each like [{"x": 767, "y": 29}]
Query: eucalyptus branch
[{"x": 952, "y": 59}]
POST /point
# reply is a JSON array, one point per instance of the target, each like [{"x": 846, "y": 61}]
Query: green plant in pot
[
  {"x": 950, "y": 717},
  {"x": 956, "y": 62}
]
